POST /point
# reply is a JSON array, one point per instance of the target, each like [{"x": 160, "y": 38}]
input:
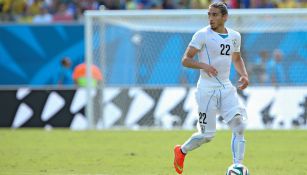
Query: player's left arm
[{"x": 240, "y": 68}]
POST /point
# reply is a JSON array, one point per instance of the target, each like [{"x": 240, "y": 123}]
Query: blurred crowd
[
  {"x": 268, "y": 68},
  {"x": 47, "y": 11}
]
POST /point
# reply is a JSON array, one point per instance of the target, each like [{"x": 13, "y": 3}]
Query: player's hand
[
  {"x": 210, "y": 70},
  {"x": 243, "y": 82}
]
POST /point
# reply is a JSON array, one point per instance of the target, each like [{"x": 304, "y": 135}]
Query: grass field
[{"x": 35, "y": 151}]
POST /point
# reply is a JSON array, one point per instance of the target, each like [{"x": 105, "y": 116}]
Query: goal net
[{"x": 139, "y": 54}]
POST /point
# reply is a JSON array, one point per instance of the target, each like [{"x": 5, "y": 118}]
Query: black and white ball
[{"x": 237, "y": 169}]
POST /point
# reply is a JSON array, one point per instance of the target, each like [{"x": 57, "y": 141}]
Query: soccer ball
[{"x": 237, "y": 169}]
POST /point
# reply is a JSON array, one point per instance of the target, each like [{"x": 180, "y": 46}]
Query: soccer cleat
[{"x": 179, "y": 159}]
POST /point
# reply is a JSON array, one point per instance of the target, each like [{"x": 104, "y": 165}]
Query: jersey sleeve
[
  {"x": 198, "y": 40},
  {"x": 237, "y": 43}
]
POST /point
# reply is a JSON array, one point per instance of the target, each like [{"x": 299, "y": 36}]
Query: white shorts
[{"x": 223, "y": 101}]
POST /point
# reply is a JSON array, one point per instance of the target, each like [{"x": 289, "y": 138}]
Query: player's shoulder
[
  {"x": 203, "y": 30},
  {"x": 201, "y": 34},
  {"x": 233, "y": 32}
]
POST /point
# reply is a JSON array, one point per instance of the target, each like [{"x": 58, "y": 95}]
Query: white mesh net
[{"x": 144, "y": 49}]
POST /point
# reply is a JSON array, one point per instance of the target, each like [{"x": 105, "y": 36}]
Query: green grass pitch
[{"x": 61, "y": 152}]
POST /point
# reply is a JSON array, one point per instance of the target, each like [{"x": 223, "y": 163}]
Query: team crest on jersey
[{"x": 234, "y": 42}]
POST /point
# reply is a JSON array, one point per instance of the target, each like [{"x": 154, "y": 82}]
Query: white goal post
[{"x": 114, "y": 41}]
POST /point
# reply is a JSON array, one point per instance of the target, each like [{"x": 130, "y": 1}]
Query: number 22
[
  {"x": 226, "y": 48},
  {"x": 202, "y": 118}
]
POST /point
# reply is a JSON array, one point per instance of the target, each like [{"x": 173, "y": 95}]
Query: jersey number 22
[{"x": 225, "y": 49}]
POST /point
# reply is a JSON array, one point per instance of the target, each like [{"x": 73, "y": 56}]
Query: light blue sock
[{"x": 238, "y": 148}]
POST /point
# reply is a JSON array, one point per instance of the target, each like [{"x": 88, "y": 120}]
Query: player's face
[{"x": 216, "y": 19}]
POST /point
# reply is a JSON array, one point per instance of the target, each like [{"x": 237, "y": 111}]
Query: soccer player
[{"x": 217, "y": 46}]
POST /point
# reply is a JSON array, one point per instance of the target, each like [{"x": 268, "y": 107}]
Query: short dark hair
[{"x": 222, "y": 6}]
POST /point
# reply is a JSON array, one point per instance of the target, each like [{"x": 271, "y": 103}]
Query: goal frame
[{"x": 105, "y": 14}]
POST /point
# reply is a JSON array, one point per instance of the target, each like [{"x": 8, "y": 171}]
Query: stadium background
[
  {"x": 32, "y": 94},
  {"x": 43, "y": 41}
]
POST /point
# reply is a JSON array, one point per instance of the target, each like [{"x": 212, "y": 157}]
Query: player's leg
[
  {"x": 206, "y": 123},
  {"x": 235, "y": 116},
  {"x": 237, "y": 124},
  {"x": 206, "y": 132},
  {"x": 206, "y": 128}
]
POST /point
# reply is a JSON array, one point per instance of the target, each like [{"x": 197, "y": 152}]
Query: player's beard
[
  {"x": 216, "y": 25},
  {"x": 213, "y": 28}
]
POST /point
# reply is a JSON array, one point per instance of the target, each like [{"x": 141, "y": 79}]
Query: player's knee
[
  {"x": 240, "y": 129},
  {"x": 207, "y": 137},
  {"x": 237, "y": 125}
]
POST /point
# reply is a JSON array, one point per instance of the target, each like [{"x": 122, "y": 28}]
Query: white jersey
[{"x": 217, "y": 52}]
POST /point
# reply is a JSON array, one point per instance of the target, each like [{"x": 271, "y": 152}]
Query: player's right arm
[{"x": 188, "y": 61}]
